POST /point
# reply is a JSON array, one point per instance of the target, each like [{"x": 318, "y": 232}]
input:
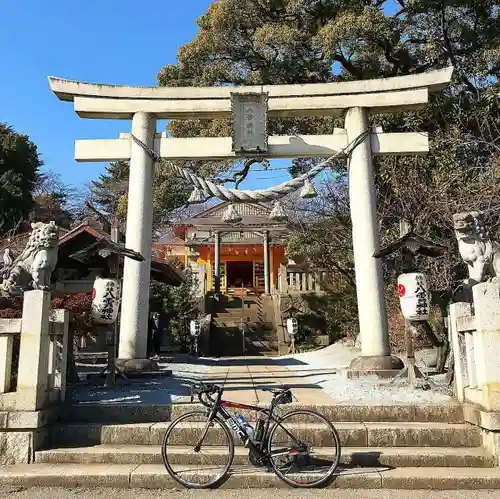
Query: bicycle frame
[{"x": 219, "y": 406}]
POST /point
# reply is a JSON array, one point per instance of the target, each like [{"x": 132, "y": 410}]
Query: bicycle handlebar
[{"x": 204, "y": 392}]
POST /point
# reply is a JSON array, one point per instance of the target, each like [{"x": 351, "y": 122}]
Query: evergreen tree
[
  {"x": 110, "y": 191},
  {"x": 19, "y": 166},
  {"x": 253, "y": 42}
]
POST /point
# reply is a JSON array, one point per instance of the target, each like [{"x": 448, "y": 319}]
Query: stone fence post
[
  {"x": 32, "y": 386},
  {"x": 457, "y": 311},
  {"x": 27, "y": 410},
  {"x": 282, "y": 281},
  {"x": 487, "y": 343}
]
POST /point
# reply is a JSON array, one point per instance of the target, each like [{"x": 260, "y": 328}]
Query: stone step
[
  {"x": 474, "y": 457},
  {"x": 351, "y": 434},
  {"x": 154, "y": 476},
  {"x": 129, "y": 413}
]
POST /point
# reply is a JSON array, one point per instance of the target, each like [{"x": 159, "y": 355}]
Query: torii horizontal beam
[
  {"x": 67, "y": 90},
  {"x": 400, "y": 93},
  {"x": 332, "y": 105},
  {"x": 280, "y": 146}
]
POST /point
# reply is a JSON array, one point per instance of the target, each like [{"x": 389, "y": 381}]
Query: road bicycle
[{"x": 213, "y": 442}]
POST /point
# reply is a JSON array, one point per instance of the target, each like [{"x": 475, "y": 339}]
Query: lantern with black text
[
  {"x": 195, "y": 327},
  {"x": 292, "y": 326},
  {"x": 105, "y": 300},
  {"x": 414, "y": 296}
]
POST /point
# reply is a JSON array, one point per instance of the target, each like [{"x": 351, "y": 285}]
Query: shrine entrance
[
  {"x": 240, "y": 275},
  {"x": 249, "y": 109}
]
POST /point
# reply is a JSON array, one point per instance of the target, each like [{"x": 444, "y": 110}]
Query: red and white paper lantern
[
  {"x": 414, "y": 296},
  {"x": 105, "y": 300}
]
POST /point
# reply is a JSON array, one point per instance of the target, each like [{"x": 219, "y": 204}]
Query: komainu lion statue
[
  {"x": 477, "y": 249},
  {"x": 33, "y": 268}
]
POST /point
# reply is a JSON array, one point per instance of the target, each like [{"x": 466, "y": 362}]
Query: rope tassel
[
  {"x": 197, "y": 196},
  {"x": 278, "y": 213},
  {"x": 231, "y": 215},
  {"x": 308, "y": 190}
]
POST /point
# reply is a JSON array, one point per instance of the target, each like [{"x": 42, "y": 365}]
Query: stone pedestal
[
  {"x": 131, "y": 366},
  {"x": 383, "y": 366},
  {"x": 24, "y": 432}
]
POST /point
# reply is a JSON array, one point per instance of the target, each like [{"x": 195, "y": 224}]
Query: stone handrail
[
  {"x": 476, "y": 347},
  {"x": 298, "y": 281},
  {"x": 43, "y": 349}
]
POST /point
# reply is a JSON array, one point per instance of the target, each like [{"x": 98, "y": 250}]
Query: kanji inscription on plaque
[{"x": 249, "y": 114}]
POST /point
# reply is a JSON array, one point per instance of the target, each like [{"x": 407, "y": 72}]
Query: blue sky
[{"x": 104, "y": 41}]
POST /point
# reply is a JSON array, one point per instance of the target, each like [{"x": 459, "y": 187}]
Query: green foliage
[
  {"x": 176, "y": 301},
  {"x": 305, "y": 41},
  {"x": 109, "y": 191},
  {"x": 19, "y": 165}
]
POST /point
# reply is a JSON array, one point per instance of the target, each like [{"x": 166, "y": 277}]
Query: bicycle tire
[
  {"x": 336, "y": 440},
  {"x": 203, "y": 418}
]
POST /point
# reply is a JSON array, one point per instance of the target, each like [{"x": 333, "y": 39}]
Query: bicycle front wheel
[
  {"x": 304, "y": 449},
  {"x": 196, "y": 452}
]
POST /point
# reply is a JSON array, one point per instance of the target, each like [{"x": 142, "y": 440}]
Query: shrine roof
[
  {"x": 170, "y": 238},
  {"x": 161, "y": 269},
  {"x": 253, "y": 214}
]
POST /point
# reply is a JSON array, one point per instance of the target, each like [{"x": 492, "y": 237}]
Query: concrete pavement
[
  {"x": 243, "y": 379},
  {"x": 58, "y": 493}
]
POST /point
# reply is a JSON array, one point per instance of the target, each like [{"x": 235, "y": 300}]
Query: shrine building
[{"x": 249, "y": 253}]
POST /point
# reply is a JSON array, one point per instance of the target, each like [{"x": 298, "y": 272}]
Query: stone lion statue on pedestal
[
  {"x": 33, "y": 268},
  {"x": 477, "y": 249}
]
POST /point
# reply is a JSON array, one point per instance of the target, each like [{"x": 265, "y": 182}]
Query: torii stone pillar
[
  {"x": 132, "y": 349},
  {"x": 374, "y": 333}
]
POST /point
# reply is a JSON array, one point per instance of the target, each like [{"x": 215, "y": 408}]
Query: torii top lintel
[{"x": 92, "y": 100}]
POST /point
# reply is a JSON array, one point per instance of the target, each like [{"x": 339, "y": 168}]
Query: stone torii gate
[{"x": 357, "y": 100}]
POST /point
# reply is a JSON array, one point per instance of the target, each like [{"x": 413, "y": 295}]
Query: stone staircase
[
  {"x": 403, "y": 447},
  {"x": 226, "y": 338}
]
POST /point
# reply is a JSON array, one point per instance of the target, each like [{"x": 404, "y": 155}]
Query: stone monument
[
  {"x": 33, "y": 268},
  {"x": 477, "y": 249}
]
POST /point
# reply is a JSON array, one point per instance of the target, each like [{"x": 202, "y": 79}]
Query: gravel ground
[
  {"x": 367, "y": 390},
  {"x": 56, "y": 493}
]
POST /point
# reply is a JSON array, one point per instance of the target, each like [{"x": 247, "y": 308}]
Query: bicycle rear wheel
[
  {"x": 197, "y": 453},
  {"x": 304, "y": 449}
]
